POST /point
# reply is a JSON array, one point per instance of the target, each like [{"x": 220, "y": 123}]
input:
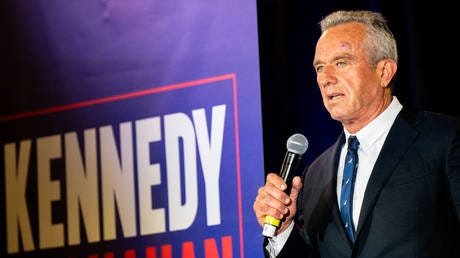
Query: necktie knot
[{"x": 353, "y": 143}]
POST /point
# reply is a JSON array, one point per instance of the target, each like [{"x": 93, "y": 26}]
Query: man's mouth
[{"x": 334, "y": 96}]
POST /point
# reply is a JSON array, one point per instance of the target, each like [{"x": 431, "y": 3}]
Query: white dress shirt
[{"x": 371, "y": 139}]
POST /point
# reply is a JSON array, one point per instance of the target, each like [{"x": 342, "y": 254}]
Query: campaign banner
[{"x": 150, "y": 144}]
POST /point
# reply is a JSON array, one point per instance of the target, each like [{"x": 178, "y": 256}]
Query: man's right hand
[{"x": 273, "y": 201}]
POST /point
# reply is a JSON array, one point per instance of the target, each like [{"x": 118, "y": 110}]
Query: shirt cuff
[{"x": 276, "y": 243}]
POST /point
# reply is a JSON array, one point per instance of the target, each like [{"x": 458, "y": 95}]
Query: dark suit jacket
[{"x": 411, "y": 206}]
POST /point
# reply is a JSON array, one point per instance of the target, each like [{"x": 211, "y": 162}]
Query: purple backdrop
[{"x": 130, "y": 129}]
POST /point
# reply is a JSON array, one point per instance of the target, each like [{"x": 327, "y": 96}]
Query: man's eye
[
  {"x": 341, "y": 63},
  {"x": 319, "y": 68}
]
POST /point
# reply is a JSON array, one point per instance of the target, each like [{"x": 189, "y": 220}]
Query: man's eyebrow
[{"x": 343, "y": 56}]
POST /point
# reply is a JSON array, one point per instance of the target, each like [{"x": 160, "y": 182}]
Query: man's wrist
[
  {"x": 276, "y": 243},
  {"x": 284, "y": 226}
]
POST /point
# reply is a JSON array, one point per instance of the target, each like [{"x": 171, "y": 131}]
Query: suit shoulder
[{"x": 430, "y": 120}]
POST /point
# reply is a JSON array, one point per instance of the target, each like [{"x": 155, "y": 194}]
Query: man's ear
[{"x": 387, "y": 68}]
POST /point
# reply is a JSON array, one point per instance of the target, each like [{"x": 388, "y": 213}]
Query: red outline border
[{"x": 188, "y": 84}]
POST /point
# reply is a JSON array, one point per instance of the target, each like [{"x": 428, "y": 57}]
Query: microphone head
[{"x": 297, "y": 144}]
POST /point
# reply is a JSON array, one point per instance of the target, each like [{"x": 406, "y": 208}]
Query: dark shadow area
[{"x": 291, "y": 101}]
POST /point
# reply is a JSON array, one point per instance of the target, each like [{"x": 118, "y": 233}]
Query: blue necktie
[{"x": 348, "y": 185}]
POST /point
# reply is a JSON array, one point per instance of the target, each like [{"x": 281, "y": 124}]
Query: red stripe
[{"x": 115, "y": 98}]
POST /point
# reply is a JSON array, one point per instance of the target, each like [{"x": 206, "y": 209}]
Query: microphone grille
[{"x": 297, "y": 144}]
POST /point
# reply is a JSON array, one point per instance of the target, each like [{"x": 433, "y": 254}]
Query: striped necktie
[{"x": 348, "y": 184}]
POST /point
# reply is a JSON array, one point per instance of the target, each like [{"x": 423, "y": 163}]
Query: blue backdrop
[{"x": 130, "y": 129}]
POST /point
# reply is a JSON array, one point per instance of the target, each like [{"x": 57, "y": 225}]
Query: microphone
[{"x": 296, "y": 145}]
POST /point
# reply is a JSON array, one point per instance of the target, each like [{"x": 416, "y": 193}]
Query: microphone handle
[{"x": 288, "y": 168}]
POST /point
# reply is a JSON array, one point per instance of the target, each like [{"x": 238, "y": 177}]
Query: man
[{"x": 401, "y": 198}]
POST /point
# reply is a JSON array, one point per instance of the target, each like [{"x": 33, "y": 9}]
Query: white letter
[
  {"x": 48, "y": 148},
  {"x": 210, "y": 149},
  {"x": 118, "y": 181},
  {"x": 178, "y": 126},
  {"x": 151, "y": 220},
  {"x": 82, "y": 187},
  {"x": 17, "y": 214}
]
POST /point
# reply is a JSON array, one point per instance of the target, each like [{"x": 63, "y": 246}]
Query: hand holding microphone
[{"x": 296, "y": 145}]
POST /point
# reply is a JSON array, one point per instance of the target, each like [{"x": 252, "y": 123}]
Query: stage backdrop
[{"x": 130, "y": 129}]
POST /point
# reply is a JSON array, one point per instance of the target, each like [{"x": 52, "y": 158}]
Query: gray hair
[{"x": 379, "y": 42}]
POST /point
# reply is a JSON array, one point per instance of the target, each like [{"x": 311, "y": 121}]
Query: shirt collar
[{"x": 369, "y": 134}]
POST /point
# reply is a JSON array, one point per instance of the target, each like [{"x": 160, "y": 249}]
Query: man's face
[{"x": 351, "y": 89}]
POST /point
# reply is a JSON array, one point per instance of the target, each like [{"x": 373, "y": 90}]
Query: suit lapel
[
  {"x": 333, "y": 164},
  {"x": 400, "y": 137}
]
